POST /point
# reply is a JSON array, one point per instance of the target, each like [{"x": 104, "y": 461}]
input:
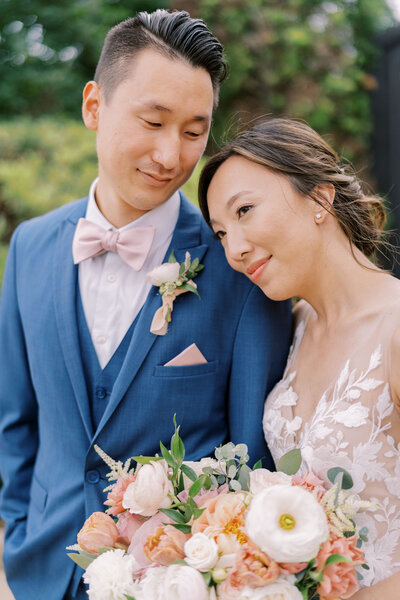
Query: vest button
[
  {"x": 101, "y": 392},
  {"x": 93, "y": 476}
]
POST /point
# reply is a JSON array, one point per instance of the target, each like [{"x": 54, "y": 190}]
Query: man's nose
[{"x": 167, "y": 151}]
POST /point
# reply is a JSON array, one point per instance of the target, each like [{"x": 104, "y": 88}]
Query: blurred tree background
[{"x": 309, "y": 59}]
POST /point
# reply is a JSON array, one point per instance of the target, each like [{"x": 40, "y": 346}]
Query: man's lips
[
  {"x": 155, "y": 180},
  {"x": 257, "y": 267}
]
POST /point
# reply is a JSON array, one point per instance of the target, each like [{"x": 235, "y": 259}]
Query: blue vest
[{"x": 99, "y": 383}]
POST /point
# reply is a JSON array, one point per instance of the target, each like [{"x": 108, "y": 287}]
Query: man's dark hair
[{"x": 174, "y": 34}]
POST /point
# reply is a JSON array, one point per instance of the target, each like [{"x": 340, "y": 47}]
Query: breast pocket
[{"x": 186, "y": 390}]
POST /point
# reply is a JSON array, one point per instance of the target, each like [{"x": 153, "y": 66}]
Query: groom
[{"x": 78, "y": 363}]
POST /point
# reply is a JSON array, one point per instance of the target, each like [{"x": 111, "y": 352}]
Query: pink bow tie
[{"x": 133, "y": 245}]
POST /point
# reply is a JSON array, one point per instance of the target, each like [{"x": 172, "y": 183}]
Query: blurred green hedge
[{"x": 46, "y": 162}]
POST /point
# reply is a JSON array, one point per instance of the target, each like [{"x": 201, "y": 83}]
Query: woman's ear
[
  {"x": 91, "y": 104},
  {"x": 326, "y": 196}
]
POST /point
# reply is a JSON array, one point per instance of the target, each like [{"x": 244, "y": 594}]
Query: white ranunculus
[
  {"x": 167, "y": 272},
  {"x": 280, "y": 589},
  {"x": 150, "y": 490},
  {"x": 110, "y": 576},
  {"x": 201, "y": 552},
  {"x": 182, "y": 582},
  {"x": 262, "y": 478},
  {"x": 287, "y": 523}
]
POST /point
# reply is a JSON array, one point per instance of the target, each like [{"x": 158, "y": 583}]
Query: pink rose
[
  {"x": 262, "y": 478},
  {"x": 340, "y": 579},
  {"x": 166, "y": 545},
  {"x": 127, "y": 526},
  {"x": 116, "y": 495},
  {"x": 291, "y": 568},
  {"x": 98, "y": 530}
]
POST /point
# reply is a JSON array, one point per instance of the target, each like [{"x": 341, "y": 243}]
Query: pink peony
[
  {"x": 98, "y": 530},
  {"x": 253, "y": 568},
  {"x": 127, "y": 526},
  {"x": 166, "y": 545},
  {"x": 139, "y": 539},
  {"x": 310, "y": 482},
  {"x": 340, "y": 579},
  {"x": 291, "y": 568},
  {"x": 116, "y": 495}
]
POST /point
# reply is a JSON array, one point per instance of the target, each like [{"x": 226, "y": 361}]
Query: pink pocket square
[{"x": 190, "y": 356}]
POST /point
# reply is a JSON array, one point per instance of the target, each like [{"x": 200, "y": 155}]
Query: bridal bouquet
[{"x": 216, "y": 529}]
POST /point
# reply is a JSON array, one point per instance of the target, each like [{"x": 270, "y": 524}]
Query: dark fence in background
[{"x": 386, "y": 138}]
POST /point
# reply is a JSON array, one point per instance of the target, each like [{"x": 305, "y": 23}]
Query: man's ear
[{"x": 91, "y": 104}]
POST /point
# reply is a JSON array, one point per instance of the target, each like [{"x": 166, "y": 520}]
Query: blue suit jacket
[{"x": 52, "y": 477}]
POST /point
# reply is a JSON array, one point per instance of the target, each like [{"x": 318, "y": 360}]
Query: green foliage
[
  {"x": 308, "y": 59},
  {"x": 46, "y": 162}
]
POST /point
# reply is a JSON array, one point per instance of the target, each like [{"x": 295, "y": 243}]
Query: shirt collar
[{"x": 163, "y": 218}]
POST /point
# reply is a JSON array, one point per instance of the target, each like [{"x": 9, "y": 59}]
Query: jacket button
[
  {"x": 93, "y": 476},
  {"x": 101, "y": 392}
]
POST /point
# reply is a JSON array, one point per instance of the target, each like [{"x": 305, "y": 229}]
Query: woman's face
[{"x": 267, "y": 229}]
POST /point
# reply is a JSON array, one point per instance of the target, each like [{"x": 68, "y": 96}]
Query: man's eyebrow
[{"x": 160, "y": 108}]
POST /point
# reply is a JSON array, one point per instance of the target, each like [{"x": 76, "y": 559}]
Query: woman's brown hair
[{"x": 293, "y": 149}]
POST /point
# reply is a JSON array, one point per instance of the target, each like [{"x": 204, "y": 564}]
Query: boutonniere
[{"x": 173, "y": 279}]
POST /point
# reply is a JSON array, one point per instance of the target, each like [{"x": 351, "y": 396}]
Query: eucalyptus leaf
[
  {"x": 81, "y": 560},
  {"x": 235, "y": 485},
  {"x": 241, "y": 450},
  {"x": 232, "y": 470},
  {"x": 290, "y": 462},
  {"x": 347, "y": 481},
  {"x": 244, "y": 477}
]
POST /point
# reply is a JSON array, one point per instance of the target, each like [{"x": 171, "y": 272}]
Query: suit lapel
[
  {"x": 65, "y": 276},
  {"x": 186, "y": 237}
]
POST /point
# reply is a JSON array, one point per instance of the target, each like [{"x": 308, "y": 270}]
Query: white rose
[
  {"x": 287, "y": 523},
  {"x": 110, "y": 576},
  {"x": 280, "y": 589},
  {"x": 262, "y": 478},
  {"x": 201, "y": 552},
  {"x": 182, "y": 582},
  {"x": 167, "y": 272},
  {"x": 150, "y": 490}
]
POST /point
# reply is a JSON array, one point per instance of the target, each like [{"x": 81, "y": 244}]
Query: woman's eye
[
  {"x": 219, "y": 235},
  {"x": 151, "y": 124},
  {"x": 192, "y": 134},
  {"x": 242, "y": 210}
]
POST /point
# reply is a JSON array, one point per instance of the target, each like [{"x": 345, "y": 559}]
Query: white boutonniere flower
[{"x": 173, "y": 279}]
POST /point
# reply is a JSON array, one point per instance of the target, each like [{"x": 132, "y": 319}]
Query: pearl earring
[{"x": 318, "y": 216}]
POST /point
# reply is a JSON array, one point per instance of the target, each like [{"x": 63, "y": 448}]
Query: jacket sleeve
[
  {"x": 259, "y": 356},
  {"x": 18, "y": 407}
]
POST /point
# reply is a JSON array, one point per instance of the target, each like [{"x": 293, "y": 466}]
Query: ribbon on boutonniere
[{"x": 173, "y": 279}]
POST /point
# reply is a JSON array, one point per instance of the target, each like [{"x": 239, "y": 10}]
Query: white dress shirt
[{"x": 112, "y": 292}]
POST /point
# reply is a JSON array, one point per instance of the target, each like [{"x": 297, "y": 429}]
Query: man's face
[{"x": 150, "y": 134}]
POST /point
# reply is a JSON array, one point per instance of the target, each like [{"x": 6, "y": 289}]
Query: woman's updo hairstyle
[{"x": 291, "y": 148}]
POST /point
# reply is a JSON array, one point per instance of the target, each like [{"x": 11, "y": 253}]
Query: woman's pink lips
[{"x": 255, "y": 269}]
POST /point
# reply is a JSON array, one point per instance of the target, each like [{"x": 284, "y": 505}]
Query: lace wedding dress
[{"x": 355, "y": 426}]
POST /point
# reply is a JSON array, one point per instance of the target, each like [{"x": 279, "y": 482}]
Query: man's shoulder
[{"x": 74, "y": 210}]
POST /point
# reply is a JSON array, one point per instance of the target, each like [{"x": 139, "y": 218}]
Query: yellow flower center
[
  {"x": 234, "y": 526},
  {"x": 287, "y": 521}
]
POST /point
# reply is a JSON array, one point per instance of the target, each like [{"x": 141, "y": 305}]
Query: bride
[{"x": 297, "y": 223}]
